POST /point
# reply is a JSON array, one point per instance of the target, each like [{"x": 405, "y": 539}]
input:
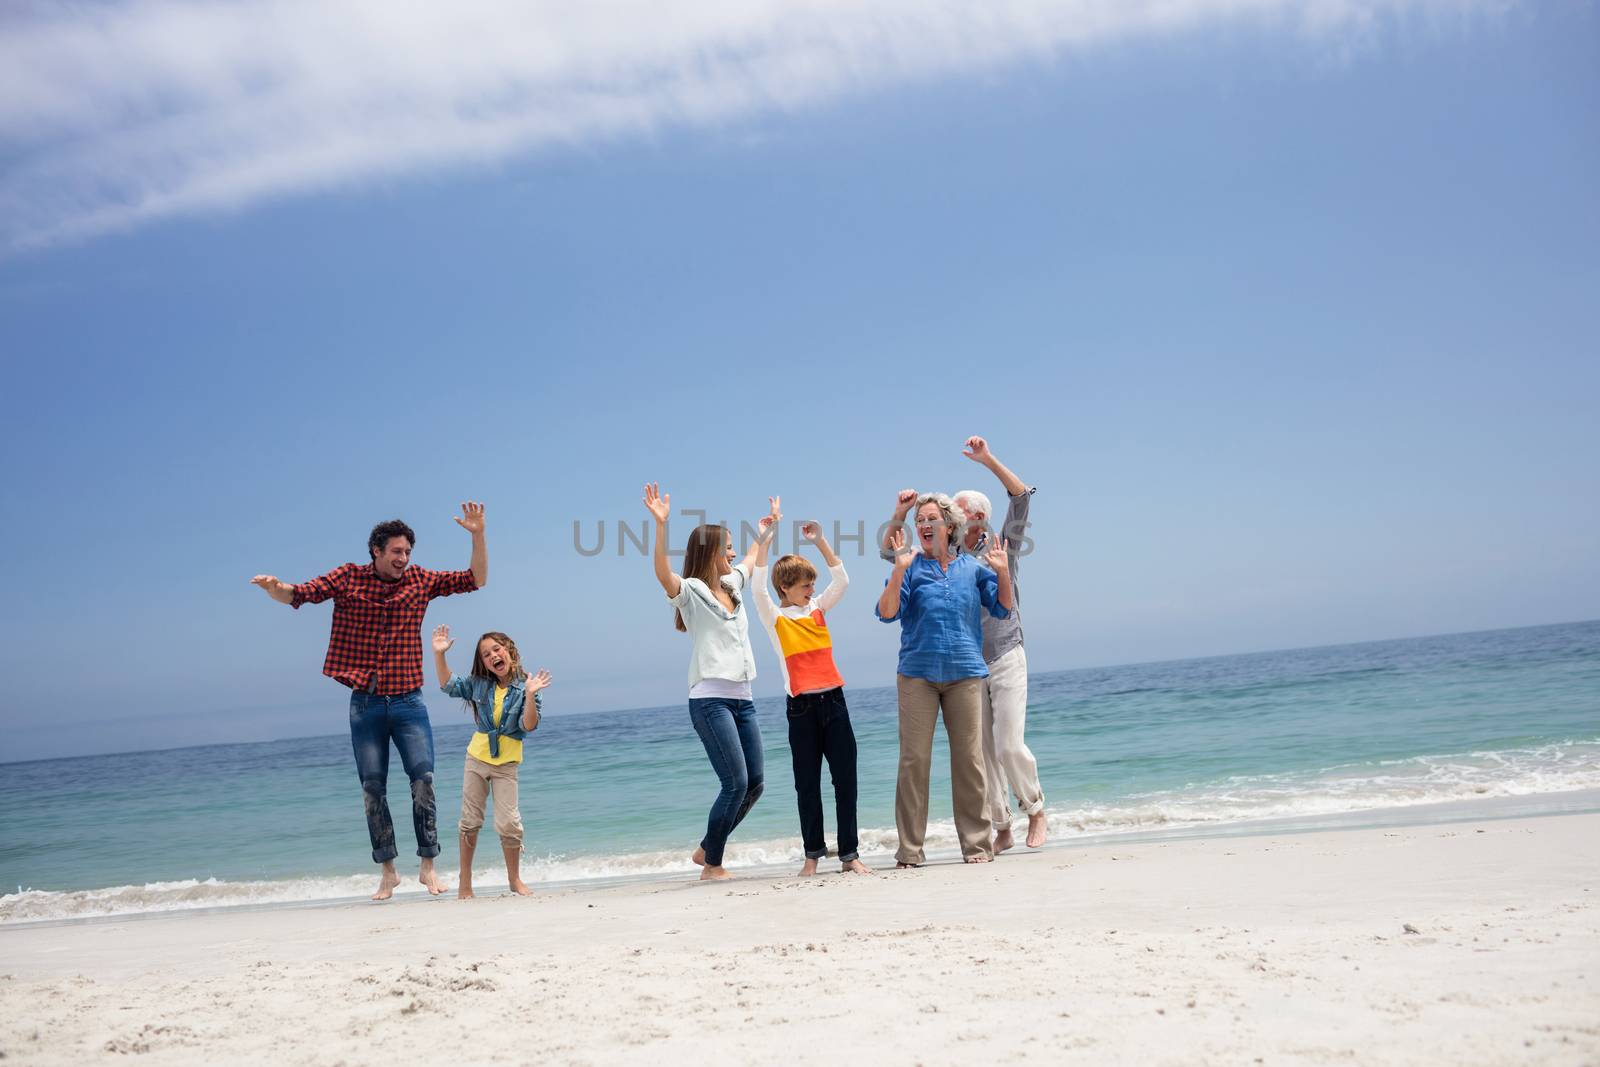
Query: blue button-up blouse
[{"x": 941, "y": 618}]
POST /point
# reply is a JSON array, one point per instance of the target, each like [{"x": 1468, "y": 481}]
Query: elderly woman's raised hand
[
  {"x": 997, "y": 557},
  {"x": 903, "y": 501},
  {"x": 903, "y": 553}
]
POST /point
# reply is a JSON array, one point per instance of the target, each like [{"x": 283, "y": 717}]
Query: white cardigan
[{"x": 721, "y": 638}]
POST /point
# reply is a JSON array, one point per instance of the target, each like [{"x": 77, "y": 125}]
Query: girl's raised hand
[
  {"x": 442, "y": 641},
  {"x": 538, "y": 681},
  {"x": 810, "y": 531},
  {"x": 773, "y": 509},
  {"x": 659, "y": 503}
]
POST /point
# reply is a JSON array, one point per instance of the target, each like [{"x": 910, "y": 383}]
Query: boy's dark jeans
[{"x": 819, "y": 729}]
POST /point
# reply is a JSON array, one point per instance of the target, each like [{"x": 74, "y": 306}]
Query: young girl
[
  {"x": 497, "y": 693},
  {"x": 721, "y": 667}
]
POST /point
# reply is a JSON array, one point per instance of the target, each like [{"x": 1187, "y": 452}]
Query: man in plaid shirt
[{"x": 376, "y": 649}]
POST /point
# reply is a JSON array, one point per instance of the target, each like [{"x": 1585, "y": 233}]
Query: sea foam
[{"x": 1223, "y": 805}]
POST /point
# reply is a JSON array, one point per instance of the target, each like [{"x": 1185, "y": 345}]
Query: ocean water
[{"x": 1207, "y": 745}]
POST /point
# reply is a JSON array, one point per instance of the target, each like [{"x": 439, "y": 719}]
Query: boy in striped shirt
[{"x": 819, "y": 721}]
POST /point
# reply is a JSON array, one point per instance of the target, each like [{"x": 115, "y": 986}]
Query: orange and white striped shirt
[{"x": 800, "y": 633}]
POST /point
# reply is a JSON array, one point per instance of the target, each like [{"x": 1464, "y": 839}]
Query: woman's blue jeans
[
  {"x": 732, "y": 737},
  {"x": 375, "y": 721}
]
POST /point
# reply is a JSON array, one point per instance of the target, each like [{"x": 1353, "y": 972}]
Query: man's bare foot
[
  {"x": 430, "y": 879},
  {"x": 711, "y": 874},
  {"x": 808, "y": 868},
  {"x": 520, "y": 888},
  {"x": 699, "y": 857},
  {"x": 387, "y": 883},
  {"x": 1038, "y": 831},
  {"x": 1003, "y": 840},
  {"x": 979, "y": 858},
  {"x": 855, "y": 867},
  {"x": 904, "y": 866},
  {"x": 465, "y": 892}
]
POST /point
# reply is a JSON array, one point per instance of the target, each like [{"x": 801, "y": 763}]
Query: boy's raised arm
[
  {"x": 756, "y": 555},
  {"x": 766, "y": 607},
  {"x": 769, "y": 530},
  {"x": 829, "y": 597},
  {"x": 812, "y": 531},
  {"x": 660, "y": 506}
]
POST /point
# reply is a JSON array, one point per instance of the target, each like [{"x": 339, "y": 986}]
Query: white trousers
[{"x": 1008, "y": 765}]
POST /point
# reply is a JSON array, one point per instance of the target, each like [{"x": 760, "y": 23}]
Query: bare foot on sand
[
  {"x": 699, "y": 857},
  {"x": 430, "y": 879},
  {"x": 808, "y": 868},
  {"x": 904, "y": 866},
  {"x": 979, "y": 858},
  {"x": 1003, "y": 840},
  {"x": 710, "y": 874},
  {"x": 1037, "y": 830},
  {"x": 387, "y": 883},
  {"x": 855, "y": 867},
  {"x": 520, "y": 888},
  {"x": 465, "y": 892}
]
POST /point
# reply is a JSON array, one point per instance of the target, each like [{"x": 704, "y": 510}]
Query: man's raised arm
[
  {"x": 471, "y": 520},
  {"x": 282, "y": 592},
  {"x": 977, "y": 450}
]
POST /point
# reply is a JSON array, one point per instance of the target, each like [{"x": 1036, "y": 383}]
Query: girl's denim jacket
[{"x": 480, "y": 693}]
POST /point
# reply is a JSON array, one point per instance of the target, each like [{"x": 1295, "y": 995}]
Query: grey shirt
[{"x": 1002, "y": 635}]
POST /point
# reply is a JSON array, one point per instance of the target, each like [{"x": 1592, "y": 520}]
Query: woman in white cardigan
[{"x": 709, "y": 602}]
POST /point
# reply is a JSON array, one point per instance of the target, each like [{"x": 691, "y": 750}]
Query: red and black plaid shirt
[{"x": 377, "y": 625}]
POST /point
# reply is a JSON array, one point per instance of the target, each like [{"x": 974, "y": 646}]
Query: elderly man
[
  {"x": 1009, "y": 766},
  {"x": 375, "y": 649}
]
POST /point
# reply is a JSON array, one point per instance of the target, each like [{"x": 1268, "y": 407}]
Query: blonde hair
[
  {"x": 792, "y": 570},
  {"x": 954, "y": 517},
  {"x": 481, "y": 669}
]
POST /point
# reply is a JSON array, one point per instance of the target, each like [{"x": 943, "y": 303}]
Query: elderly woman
[{"x": 939, "y": 598}]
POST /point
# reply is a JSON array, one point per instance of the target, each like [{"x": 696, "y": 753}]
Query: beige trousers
[
  {"x": 476, "y": 784},
  {"x": 920, "y": 702}
]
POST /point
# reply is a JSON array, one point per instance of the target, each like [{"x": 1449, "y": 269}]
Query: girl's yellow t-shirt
[{"x": 510, "y": 747}]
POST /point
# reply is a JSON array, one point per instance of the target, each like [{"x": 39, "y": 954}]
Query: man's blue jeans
[
  {"x": 375, "y": 721},
  {"x": 732, "y": 737}
]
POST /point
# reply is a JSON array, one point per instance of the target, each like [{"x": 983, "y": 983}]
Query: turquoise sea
[{"x": 1205, "y": 745}]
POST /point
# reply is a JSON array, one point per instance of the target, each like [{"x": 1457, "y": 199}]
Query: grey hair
[
  {"x": 954, "y": 517},
  {"x": 979, "y": 503}
]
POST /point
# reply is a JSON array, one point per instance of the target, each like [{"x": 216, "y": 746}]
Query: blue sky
[{"x": 1292, "y": 319}]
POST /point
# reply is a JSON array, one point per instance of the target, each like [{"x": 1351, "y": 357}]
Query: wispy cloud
[{"x": 116, "y": 114}]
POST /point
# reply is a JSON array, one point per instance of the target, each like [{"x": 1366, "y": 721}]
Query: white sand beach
[{"x": 1453, "y": 943}]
